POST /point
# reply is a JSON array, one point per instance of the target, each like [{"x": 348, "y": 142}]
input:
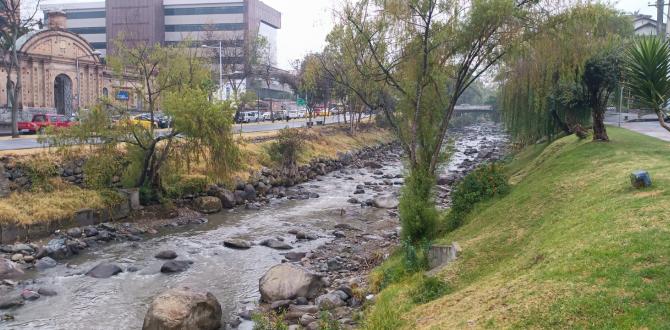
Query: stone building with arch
[{"x": 49, "y": 62}]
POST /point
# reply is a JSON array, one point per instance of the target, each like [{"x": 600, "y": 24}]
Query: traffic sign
[
  {"x": 123, "y": 96},
  {"x": 301, "y": 102}
]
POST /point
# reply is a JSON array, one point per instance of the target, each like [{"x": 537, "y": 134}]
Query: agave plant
[{"x": 647, "y": 72}]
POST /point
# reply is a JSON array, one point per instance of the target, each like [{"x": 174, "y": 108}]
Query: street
[{"x": 30, "y": 141}]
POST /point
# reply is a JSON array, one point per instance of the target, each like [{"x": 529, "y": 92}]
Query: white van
[{"x": 249, "y": 117}]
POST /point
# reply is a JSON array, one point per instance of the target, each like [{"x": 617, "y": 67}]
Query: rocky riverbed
[{"x": 338, "y": 224}]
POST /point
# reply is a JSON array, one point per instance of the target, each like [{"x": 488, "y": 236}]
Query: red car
[{"x": 41, "y": 122}]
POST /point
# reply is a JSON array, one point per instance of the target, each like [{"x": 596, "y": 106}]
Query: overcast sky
[{"x": 305, "y": 23}]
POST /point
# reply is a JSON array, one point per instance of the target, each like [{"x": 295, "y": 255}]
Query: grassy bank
[
  {"x": 571, "y": 246},
  {"x": 64, "y": 200}
]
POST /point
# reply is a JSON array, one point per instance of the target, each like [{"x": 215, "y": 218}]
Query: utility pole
[{"x": 659, "y": 18}]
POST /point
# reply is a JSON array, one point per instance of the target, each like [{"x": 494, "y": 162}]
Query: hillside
[{"x": 571, "y": 246}]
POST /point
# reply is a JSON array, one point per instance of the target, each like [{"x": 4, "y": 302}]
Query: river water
[{"x": 121, "y": 301}]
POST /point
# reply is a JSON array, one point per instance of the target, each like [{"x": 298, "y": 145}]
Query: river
[{"x": 121, "y": 301}]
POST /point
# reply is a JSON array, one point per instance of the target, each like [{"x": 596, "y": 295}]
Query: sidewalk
[{"x": 650, "y": 127}]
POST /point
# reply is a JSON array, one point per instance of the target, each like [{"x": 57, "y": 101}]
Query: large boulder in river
[
  {"x": 227, "y": 198},
  {"x": 8, "y": 269},
  {"x": 208, "y": 204},
  {"x": 104, "y": 270},
  {"x": 183, "y": 308},
  {"x": 385, "y": 202},
  {"x": 288, "y": 281}
]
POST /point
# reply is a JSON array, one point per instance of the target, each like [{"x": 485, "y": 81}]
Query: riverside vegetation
[{"x": 582, "y": 249}]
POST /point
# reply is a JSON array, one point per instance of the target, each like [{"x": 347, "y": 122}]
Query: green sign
[{"x": 301, "y": 102}]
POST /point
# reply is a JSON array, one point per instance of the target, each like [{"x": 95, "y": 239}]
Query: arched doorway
[{"x": 63, "y": 94}]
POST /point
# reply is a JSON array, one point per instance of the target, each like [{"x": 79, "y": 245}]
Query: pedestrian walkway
[{"x": 650, "y": 128}]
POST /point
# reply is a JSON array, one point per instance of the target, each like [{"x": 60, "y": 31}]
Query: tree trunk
[
  {"x": 661, "y": 120},
  {"x": 599, "y": 130}
]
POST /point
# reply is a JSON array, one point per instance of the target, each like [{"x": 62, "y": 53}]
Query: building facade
[
  {"x": 645, "y": 25},
  {"x": 171, "y": 21},
  {"x": 60, "y": 73},
  {"x": 204, "y": 22}
]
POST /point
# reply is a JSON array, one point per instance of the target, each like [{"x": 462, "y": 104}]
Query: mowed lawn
[{"x": 572, "y": 246}]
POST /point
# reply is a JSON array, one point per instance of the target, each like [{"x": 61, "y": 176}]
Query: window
[
  {"x": 204, "y": 10},
  {"x": 39, "y": 119},
  {"x": 105, "y": 92},
  {"x": 204, "y": 27},
  {"x": 89, "y": 30},
  {"x": 86, "y": 14}
]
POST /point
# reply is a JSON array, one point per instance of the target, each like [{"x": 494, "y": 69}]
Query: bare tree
[{"x": 12, "y": 27}]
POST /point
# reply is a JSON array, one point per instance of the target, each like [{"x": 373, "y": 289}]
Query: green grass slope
[{"x": 571, "y": 246}]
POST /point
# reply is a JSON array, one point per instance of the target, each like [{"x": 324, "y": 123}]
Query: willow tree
[
  {"x": 176, "y": 81},
  {"x": 348, "y": 63},
  {"x": 427, "y": 53},
  {"x": 552, "y": 61}
]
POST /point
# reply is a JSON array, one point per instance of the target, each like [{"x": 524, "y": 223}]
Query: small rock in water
[
  {"x": 167, "y": 254},
  {"x": 104, "y": 270},
  {"x": 276, "y": 244},
  {"x": 9, "y": 269},
  {"x": 176, "y": 266},
  {"x": 294, "y": 256},
  {"x": 30, "y": 295},
  {"x": 10, "y": 301},
  {"x": 74, "y": 232},
  {"x": 47, "y": 292},
  {"x": 235, "y": 243},
  {"x": 45, "y": 263}
]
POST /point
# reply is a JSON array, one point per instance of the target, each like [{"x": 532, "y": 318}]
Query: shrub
[
  {"x": 418, "y": 214},
  {"x": 269, "y": 321},
  {"x": 429, "y": 289},
  {"x": 483, "y": 183},
  {"x": 187, "y": 185},
  {"x": 100, "y": 169},
  {"x": 286, "y": 149},
  {"x": 40, "y": 170}
]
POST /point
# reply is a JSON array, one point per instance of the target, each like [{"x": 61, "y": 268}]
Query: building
[
  {"x": 645, "y": 25},
  {"x": 60, "y": 72},
  {"x": 231, "y": 22}
]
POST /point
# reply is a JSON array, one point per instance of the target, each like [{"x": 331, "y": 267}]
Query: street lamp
[
  {"x": 220, "y": 67},
  {"x": 95, "y": 53}
]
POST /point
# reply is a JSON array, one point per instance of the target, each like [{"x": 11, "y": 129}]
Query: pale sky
[{"x": 305, "y": 24}]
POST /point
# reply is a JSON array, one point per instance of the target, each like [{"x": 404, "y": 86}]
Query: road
[{"x": 30, "y": 141}]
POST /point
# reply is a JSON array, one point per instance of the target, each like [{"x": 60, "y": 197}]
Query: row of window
[
  {"x": 167, "y": 12},
  {"x": 99, "y": 45},
  {"x": 204, "y": 27},
  {"x": 89, "y": 30},
  {"x": 169, "y": 28},
  {"x": 204, "y": 10},
  {"x": 86, "y": 14}
]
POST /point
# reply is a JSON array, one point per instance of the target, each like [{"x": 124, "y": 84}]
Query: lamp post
[
  {"x": 220, "y": 67},
  {"x": 95, "y": 53}
]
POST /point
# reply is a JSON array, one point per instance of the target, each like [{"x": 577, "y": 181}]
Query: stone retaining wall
[{"x": 10, "y": 233}]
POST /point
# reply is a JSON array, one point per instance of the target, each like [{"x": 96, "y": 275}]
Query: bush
[
  {"x": 286, "y": 149},
  {"x": 187, "y": 185},
  {"x": 100, "y": 169},
  {"x": 40, "y": 170},
  {"x": 270, "y": 321},
  {"x": 418, "y": 214},
  {"x": 483, "y": 183},
  {"x": 429, "y": 289}
]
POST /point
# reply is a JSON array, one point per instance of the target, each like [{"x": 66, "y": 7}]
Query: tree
[
  {"x": 311, "y": 83},
  {"x": 552, "y": 59},
  {"x": 346, "y": 62},
  {"x": 178, "y": 81},
  {"x": 12, "y": 27},
  {"x": 427, "y": 53},
  {"x": 601, "y": 77},
  {"x": 647, "y": 74}
]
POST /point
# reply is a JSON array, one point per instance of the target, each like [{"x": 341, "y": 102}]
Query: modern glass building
[{"x": 171, "y": 21}]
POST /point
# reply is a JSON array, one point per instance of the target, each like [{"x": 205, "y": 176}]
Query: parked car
[
  {"x": 248, "y": 117},
  {"x": 40, "y": 122},
  {"x": 266, "y": 116}
]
